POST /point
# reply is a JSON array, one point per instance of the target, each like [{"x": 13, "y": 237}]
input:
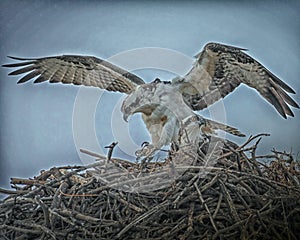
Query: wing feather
[
  {"x": 79, "y": 70},
  {"x": 22, "y": 70},
  {"x": 220, "y": 126},
  {"x": 68, "y": 78},
  {"x": 286, "y": 97},
  {"x": 219, "y": 69},
  {"x": 29, "y": 76}
]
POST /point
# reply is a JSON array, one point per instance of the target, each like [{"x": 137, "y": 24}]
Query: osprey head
[{"x": 143, "y": 99}]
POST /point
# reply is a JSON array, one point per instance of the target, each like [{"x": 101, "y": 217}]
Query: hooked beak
[
  {"x": 127, "y": 111},
  {"x": 126, "y": 116}
]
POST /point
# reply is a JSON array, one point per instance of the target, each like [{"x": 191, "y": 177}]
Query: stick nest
[{"x": 239, "y": 196}]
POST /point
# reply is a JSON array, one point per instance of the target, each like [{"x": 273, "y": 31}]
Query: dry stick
[
  {"x": 35, "y": 191},
  {"x": 78, "y": 195},
  {"x": 108, "y": 158},
  {"x": 102, "y": 157},
  {"x": 96, "y": 155},
  {"x": 56, "y": 201},
  {"x": 11, "y": 192},
  {"x": 142, "y": 217},
  {"x": 210, "y": 183},
  {"x": 29, "y": 182},
  {"x": 284, "y": 154},
  {"x": 188, "y": 231},
  {"x": 117, "y": 183},
  {"x": 206, "y": 207},
  {"x": 79, "y": 216},
  {"x": 180, "y": 224},
  {"x": 251, "y": 138},
  {"x": 241, "y": 148},
  {"x": 111, "y": 149},
  {"x": 275, "y": 232},
  {"x": 261, "y": 220},
  {"x": 35, "y": 226},
  {"x": 76, "y": 226},
  {"x": 261, "y": 178},
  {"x": 63, "y": 177},
  {"x": 88, "y": 183},
  {"x": 45, "y": 210},
  {"x": 54, "y": 212},
  {"x": 218, "y": 205},
  {"x": 130, "y": 205},
  {"x": 253, "y": 159},
  {"x": 237, "y": 153},
  {"x": 184, "y": 190},
  {"x": 243, "y": 201},
  {"x": 246, "y": 186},
  {"x": 285, "y": 219},
  {"x": 238, "y": 224},
  {"x": 229, "y": 201},
  {"x": 20, "y": 229},
  {"x": 190, "y": 217}
]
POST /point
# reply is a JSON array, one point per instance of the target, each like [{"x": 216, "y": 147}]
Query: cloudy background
[{"x": 36, "y": 120}]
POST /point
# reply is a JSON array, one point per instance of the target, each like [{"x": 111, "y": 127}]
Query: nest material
[{"x": 237, "y": 197}]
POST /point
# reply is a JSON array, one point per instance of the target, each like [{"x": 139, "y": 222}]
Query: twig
[
  {"x": 45, "y": 210},
  {"x": 206, "y": 207},
  {"x": 142, "y": 217},
  {"x": 110, "y": 151}
]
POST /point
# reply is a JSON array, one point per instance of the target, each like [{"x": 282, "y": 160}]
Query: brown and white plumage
[
  {"x": 78, "y": 70},
  {"x": 217, "y": 71},
  {"x": 225, "y": 68}
]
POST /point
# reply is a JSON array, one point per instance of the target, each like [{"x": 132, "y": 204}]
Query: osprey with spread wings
[{"x": 167, "y": 106}]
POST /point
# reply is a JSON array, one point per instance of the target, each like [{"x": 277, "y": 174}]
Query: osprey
[{"x": 168, "y": 106}]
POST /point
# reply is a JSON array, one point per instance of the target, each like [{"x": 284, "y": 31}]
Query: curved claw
[
  {"x": 146, "y": 152},
  {"x": 145, "y": 144}
]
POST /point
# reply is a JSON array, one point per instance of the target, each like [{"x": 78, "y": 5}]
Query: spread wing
[
  {"x": 79, "y": 70},
  {"x": 219, "y": 69}
]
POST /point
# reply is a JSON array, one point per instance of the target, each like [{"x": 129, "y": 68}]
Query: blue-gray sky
[{"x": 36, "y": 120}]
